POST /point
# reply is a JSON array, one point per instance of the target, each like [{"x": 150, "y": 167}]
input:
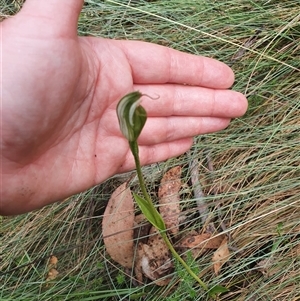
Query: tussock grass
[{"x": 253, "y": 188}]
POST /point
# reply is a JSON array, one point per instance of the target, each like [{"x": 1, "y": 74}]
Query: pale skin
[{"x": 59, "y": 128}]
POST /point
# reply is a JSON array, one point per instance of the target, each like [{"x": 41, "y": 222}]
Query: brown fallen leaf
[
  {"x": 169, "y": 200},
  {"x": 220, "y": 256},
  {"x": 205, "y": 240},
  {"x": 117, "y": 226},
  {"x": 141, "y": 228},
  {"x": 154, "y": 260},
  {"x": 199, "y": 243},
  {"x": 138, "y": 270}
]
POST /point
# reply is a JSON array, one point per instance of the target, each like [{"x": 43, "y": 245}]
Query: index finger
[{"x": 151, "y": 63}]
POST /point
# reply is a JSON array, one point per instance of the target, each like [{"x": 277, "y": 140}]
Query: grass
[{"x": 253, "y": 189}]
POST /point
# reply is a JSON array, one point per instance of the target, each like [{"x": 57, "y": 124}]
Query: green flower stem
[{"x": 135, "y": 151}]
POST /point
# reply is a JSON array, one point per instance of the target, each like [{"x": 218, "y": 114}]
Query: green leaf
[
  {"x": 217, "y": 289},
  {"x": 150, "y": 213},
  {"x": 132, "y": 117}
]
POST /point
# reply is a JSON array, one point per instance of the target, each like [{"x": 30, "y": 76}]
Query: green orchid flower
[{"x": 132, "y": 117}]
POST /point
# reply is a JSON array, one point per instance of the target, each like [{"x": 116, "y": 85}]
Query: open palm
[{"x": 60, "y": 133}]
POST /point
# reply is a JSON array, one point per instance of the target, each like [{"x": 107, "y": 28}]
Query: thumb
[{"x": 51, "y": 17}]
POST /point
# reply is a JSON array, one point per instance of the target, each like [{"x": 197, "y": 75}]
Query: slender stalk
[{"x": 135, "y": 151}]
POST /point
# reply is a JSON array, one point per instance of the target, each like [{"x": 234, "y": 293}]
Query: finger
[
  {"x": 158, "y": 130},
  {"x": 56, "y": 17},
  {"x": 152, "y": 63},
  {"x": 178, "y": 100},
  {"x": 158, "y": 153}
]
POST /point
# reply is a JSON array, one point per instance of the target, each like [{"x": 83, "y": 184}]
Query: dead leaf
[
  {"x": 154, "y": 260},
  {"x": 204, "y": 240},
  {"x": 117, "y": 226},
  {"x": 138, "y": 270},
  {"x": 199, "y": 243},
  {"x": 141, "y": 228},
  {"x": 220, "y": 256},
  {"x": 169, "y": 200}
]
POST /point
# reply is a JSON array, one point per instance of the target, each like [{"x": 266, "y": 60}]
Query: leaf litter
[
  {"x": 118, "y": 222},
  {"x": 220, "y": 256},
  {"x": 132, "y": 242}
]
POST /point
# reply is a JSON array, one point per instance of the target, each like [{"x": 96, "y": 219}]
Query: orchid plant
[{"x": 132, "y": 118}]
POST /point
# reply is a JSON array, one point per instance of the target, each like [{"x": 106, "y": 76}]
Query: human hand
[{"x": 60, "y": 133}]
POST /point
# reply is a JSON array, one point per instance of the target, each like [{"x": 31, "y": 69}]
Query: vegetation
[{"x": 252, "y": 190}]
